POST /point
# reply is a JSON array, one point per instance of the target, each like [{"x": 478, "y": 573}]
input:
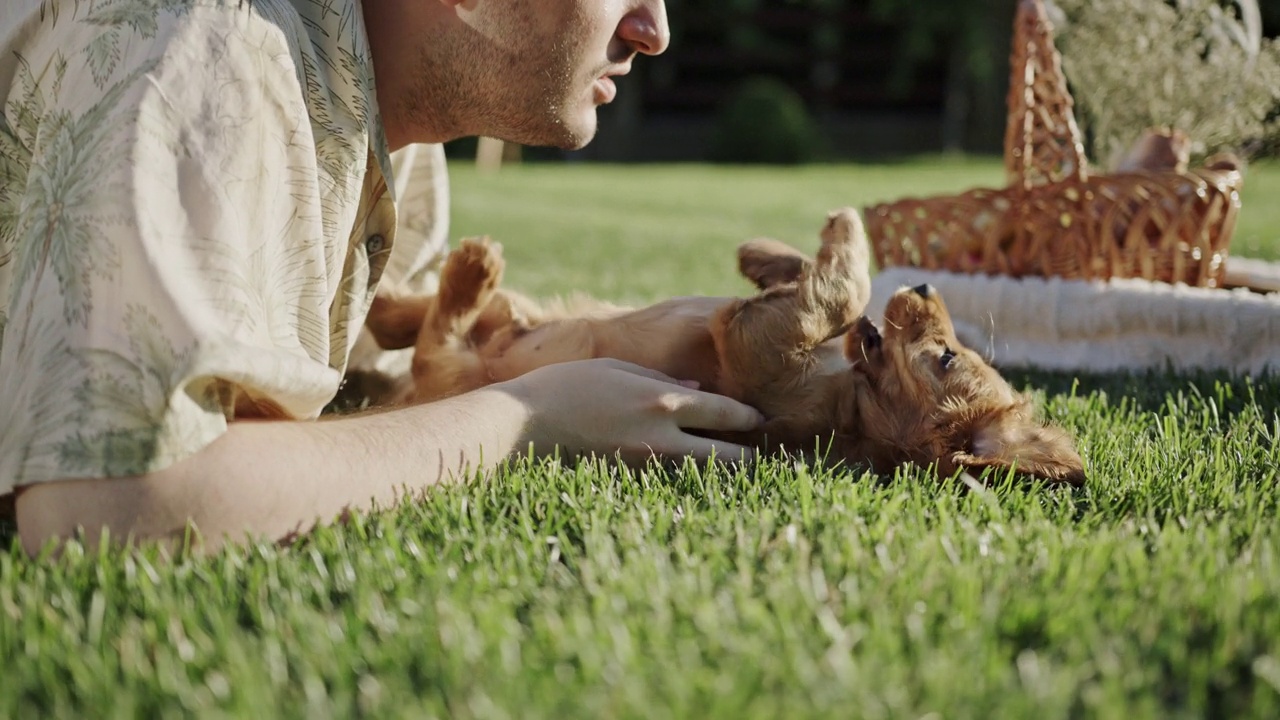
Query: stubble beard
[{"x": 519, "y": 95}]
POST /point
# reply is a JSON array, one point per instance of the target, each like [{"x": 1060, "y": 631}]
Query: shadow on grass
[
  {"x": 8, "y": 523},
  {"x": 1152, "y": 390}
]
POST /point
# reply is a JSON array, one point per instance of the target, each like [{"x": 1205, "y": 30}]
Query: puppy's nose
[{"x": 924, "y": 291}]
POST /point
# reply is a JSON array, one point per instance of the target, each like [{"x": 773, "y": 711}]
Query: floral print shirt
[{"x": 196, "y": 205}]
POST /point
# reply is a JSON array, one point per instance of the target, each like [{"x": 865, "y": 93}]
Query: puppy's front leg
[{"x": 765, "y": 344}]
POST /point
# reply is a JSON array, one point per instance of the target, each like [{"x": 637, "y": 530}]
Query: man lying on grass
[{"x": 198, "y": 204}]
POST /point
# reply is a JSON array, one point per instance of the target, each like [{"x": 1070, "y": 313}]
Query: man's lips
[{"x": 605, "y": 90}]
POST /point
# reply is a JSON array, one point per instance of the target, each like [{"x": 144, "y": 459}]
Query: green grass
[
  {"x": 591, "y": 592},
  {"x": 636, "y": 233}
]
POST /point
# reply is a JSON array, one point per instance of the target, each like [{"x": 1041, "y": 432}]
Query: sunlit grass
[
  {"x": 637, "y": 233},
  {"x": 587, "y": 591}
]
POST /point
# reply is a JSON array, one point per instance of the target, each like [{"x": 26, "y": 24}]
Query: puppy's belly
[{"x": 672, "y": 337}]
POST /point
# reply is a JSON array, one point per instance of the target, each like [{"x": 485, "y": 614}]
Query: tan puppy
[
  {"x": 1157, "y": 149},
  {"x": 913, "y": 394}
]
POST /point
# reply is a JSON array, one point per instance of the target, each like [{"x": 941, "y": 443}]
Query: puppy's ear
[
  {"x": 769, "y": 263},
  {"x": 395, "y": 322},
  {"x": 1011, "y": 438}
]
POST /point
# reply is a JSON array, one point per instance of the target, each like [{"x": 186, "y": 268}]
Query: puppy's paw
[
  {"x": 846, "y": 254},
  {"x": 844, "y": 239},
  {"x": 471, "y": 276}
]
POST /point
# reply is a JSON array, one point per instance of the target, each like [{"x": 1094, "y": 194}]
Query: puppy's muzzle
[{"x": 870, "y": 334}]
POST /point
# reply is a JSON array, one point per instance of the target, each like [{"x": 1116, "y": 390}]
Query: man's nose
[{"x": 645, "y": 29}]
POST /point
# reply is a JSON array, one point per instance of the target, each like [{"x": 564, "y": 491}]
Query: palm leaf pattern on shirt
[
  {"x": 19, "y": 127},
  {"x": 147, "y": 384},
  {"x": 126, "y": 400},
  {"x": 61, "y": 209},
  {"x": 44, "y": 414},
  {"x": 140, "y": 16},
  {"x": 14, "y": 157}
]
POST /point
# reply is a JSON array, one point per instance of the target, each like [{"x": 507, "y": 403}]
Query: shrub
[
  {"x": 764, "y": 121},
  {"x": 1193, "y": 65}
]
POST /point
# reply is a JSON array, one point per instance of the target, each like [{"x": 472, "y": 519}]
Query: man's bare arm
[
  {"x": 274, "y": 479},
  {"x": 277, "y": 479}
]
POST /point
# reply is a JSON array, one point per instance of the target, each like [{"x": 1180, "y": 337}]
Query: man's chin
[
  {"x": 577, "y": 133},
  {"x": 565, "y": 133}
]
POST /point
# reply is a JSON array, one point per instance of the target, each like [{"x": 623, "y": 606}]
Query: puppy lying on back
[{"x": 800, "y": 351}]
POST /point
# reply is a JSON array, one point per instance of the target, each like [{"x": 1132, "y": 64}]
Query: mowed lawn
[{"x": 589, "y": 591}]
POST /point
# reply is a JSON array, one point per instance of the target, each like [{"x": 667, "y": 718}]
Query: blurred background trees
[
  {"x": 798, "y": 80},
  {"x": 1202, "y": 66}
]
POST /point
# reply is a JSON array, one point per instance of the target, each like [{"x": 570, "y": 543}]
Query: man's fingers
[
  {"x": 683, "y": 445},
  {"x": 707, "y": 411},
  {"x": 634, "y": 369},
  {"x": 703, "y": 450}
]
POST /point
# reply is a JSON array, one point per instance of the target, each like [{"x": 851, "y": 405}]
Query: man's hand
[{"x": 607, "y": 407}]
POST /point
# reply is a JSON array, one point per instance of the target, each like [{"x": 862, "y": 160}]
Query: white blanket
[{"x": 1105, "y": 326}]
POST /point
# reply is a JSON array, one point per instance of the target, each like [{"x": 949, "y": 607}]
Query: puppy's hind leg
[
  {"x": 766, "y": 343},
  {"x": 827, "y": 297},
  {"x": 445, "y": 362}
]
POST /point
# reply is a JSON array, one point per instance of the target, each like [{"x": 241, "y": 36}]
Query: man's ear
[
  {"x": 1011, "y": 438},
  {"x": 395, "y": 322}
]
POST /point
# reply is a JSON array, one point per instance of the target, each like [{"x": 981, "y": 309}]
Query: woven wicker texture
[
  {"x": 1042, "y": 142},
  {"x": 1054, "y": 218}
]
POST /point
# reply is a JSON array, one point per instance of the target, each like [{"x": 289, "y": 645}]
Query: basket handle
[{"x": 1042, "y": 141}]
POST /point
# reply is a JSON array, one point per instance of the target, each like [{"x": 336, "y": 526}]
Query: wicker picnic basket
[{"x": 1054, "y": 218}]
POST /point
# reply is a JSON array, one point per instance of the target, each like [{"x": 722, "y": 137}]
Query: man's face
[{"x": 534, "y": 71}]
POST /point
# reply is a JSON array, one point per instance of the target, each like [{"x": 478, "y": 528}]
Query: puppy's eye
[{"x": 948, "y": 357}]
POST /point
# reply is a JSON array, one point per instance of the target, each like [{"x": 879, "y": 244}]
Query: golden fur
[{"x": 913, "y": 394}]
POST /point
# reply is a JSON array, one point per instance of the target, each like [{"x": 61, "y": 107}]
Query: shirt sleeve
[
  {"x": 172, "y": 261},
  {"x": 422, "y": 235},
  {"x": 422, "y": 242}
]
